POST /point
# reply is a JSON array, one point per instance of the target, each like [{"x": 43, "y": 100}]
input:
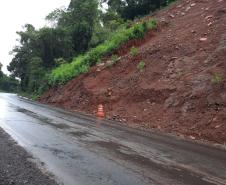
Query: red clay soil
[{"x": 182, "y": 89}]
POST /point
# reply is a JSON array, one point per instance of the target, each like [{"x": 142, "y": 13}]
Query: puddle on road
[
  {"x": 124, "y": 152},
  {"x": 43, "y": 120},
  {"x": 109, "y": 144},
  {"x": 80, "y": 134},
  {"x": 112, "y": 149},
  {"x": 60, "y": 125},
  {"x": 62, "y": 154},
  {"x": 23, "y": 110}
]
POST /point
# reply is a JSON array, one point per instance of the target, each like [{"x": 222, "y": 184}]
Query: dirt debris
[{"x": 179, "y": 91}]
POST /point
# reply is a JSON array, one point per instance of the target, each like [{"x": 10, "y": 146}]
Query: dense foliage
[
  {"x": 130, "y": 9},
  {"x": 77, "y": 38},
  {"x": 8, "y": 84}
]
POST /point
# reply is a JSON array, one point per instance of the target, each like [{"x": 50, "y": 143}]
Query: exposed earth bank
[
  {"x": 16, "y": 167},
  {"x": 182, "y": 88}
]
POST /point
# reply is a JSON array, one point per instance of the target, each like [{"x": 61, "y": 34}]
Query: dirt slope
[{"x": 182, "y": 89}]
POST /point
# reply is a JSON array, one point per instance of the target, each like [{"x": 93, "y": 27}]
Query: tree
[
  {"x": 53, "y": 44},
  {"x": 8, "y": 84},
  {"x": 1, "y": 73},
  {"x": 19, "y": 65},
  {"x": 54, "y": 16},
  {"x": 47, "y": 44},
  {"x": 80, "y": 20},
  {"x": 130, "y": 9},
  {"x": 36, "y": 74}
]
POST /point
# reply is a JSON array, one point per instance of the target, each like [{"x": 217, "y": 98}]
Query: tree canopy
[
  {"x": 7, "y": 84},
  {"x": 130, "y": 9}
]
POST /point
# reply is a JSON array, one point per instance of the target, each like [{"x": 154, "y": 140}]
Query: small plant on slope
[
  {"x": 114, "y": 60},
  {"x": 141, "y": 66},
  {"x": 217, "y": 78},
  {"x": 134, "y": 51},
  {"x": 152, "y": 24}
]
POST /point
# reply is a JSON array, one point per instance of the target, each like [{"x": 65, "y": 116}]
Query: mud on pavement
[{"x": 16, "y": 167}]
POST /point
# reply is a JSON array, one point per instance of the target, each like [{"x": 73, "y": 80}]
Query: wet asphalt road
[{"x": 81, "y": 150}]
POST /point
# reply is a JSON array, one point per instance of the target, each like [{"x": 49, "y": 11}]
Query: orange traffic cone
[{"x": 100, "y": 111}]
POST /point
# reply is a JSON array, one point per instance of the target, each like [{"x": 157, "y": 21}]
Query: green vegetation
[
  {"x": 30, "y": 96},
  {"x": 78, "y": 38},
  {"x": 113, "y": 61},
  {"x": 141, "y": 66},
  {"x": 82, "y": 63},
  {"x": 114, "y": 58},
  {"x": 130, "y": 9},
  {"x": 217, "y": 79},
  {"x": 7, "y": 84},
  {"x": 134, "y": 51}
]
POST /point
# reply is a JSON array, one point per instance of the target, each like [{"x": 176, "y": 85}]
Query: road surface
[{"x": 81, "y": 150}]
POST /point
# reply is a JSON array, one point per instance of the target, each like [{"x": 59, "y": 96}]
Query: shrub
[
  {"x": 134, "y": 51},
  {"x": 67, "y": 72},
  {"x": 114, "y": 60},
  {"x": 152, "y": 24},
  {"x": 217, "y": 79},
  {"x": 141, "y": 66},
  {"x": 138, "y": 31}
]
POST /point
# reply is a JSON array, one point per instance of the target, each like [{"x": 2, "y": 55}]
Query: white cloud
[{"x": 14, "y": 14}]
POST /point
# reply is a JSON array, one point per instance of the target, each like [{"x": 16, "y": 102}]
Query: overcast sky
[{"x": 16, "y": 13}]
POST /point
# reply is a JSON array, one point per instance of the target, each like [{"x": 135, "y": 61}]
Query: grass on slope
[{"x": 82, "y": 63}]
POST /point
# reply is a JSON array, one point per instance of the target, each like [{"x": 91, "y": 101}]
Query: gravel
[{"x": 16, "y": 166}]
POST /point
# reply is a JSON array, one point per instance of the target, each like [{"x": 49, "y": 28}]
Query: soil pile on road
[
  {"x": 15, "y": 167},
  {"x": 182, "y": 86}
]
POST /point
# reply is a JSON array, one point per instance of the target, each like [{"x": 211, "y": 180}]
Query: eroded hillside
[{"x": 182, "y": 86}]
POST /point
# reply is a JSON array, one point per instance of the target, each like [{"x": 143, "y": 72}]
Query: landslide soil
[{"x": 182, "y": 89}]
